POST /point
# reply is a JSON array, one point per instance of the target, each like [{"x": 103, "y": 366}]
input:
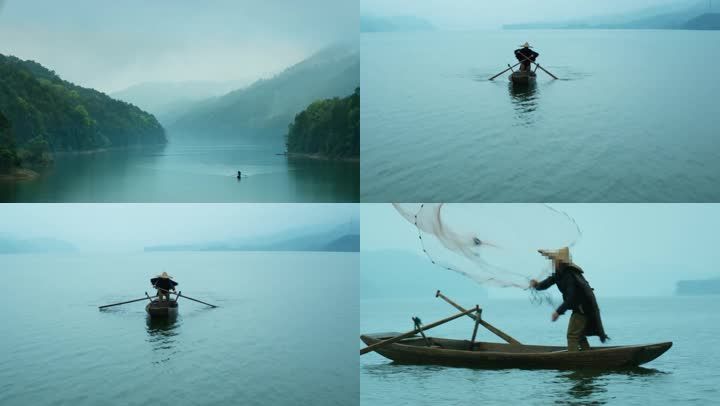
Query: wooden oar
[
  {"x": 121, "y": 303},
  {"x": 479, "y": 319},
  {"x": 181, "y": 295},
  {"x": 195, "y": 300},
  {"x": 412, "y": 333},
  {"x": 510, "y": 68},
  {"x": 538, "y": 65}
]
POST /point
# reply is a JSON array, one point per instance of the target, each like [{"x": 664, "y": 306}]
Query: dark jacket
[
  {"x": 527, "y": 52},
  {"x": 577, "y": 296},
  {"x": 162, "y": 283}
]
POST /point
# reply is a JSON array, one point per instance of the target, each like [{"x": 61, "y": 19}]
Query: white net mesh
[{"x": 492, "y": 244}]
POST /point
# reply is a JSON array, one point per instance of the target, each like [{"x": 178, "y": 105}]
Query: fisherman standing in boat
[
  {"x": 577, "y": 295},
  {"x": 525, "y": 55},
  {"x": 164, "y": 284}
]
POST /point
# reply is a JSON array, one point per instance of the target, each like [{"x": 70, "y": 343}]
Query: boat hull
[
  {"x": 456, "y": 353},
  {"x": 162, "y": 308},
  {"x": 522, "y": 78}
]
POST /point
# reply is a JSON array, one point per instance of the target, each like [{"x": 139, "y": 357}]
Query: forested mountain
[
  {"x": 8, "y": 154},
  {"x": 267, "y": 106},
  {"x": 46, "y": 111},
  {"x": 328, "y": 128},
  {"x": 169, "y": 100}
]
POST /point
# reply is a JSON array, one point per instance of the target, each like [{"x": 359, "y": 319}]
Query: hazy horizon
[
  {"x": 624, "y": 248},
  {"x": 468, "y": 14},
  {"x": 111, "y": 46},
  {"x": 130, "y": 227}
]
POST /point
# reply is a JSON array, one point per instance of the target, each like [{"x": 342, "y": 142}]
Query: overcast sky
[
  {"x": 625, "y": 248},
  {"x": 110, "y": 45},
  {"x": 468, "y": 14},
  {"x": 123, "y": 227}
]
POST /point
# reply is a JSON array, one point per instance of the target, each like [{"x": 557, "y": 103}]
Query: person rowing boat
[
  {"x": 525, "y": 55},
  {"x": 164, "y": 284}
]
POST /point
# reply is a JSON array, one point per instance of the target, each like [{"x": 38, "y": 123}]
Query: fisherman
[
  {"x": 577, "y": 295},
  {"x": 164, "y": 284},
  {"x": 524, "y": 54}
]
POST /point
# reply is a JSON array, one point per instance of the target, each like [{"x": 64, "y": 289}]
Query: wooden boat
[
  {"x": 523, "y": 78},
  {"x": 158, "y": 308},
  {"x": 409, "y": 348},
  {"x": 162, "y": 308},
  {"x": 458, "y": 353}
]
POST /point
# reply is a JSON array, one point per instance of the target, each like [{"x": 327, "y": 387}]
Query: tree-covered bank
[
  {"x": 328, "y": 128},
  {"x": 48, "y": 114},
  {"x": 8, "y": 153}
]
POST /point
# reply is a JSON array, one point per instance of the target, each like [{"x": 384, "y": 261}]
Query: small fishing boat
[
  {"x": 411, "y": 348},
  {"x": 523, "y": 78},
  {"x": 159, "y": 308},
  {"x": 460, "y": 353},
  {"x": 162, "y": 308}
]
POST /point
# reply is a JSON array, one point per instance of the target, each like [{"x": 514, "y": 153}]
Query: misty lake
[
  {"x": 283, "y": 334},
  {"x": 686, "y": 374},
  {"x": 189, "y": 173},
  {"x": 633, "y": 118}
]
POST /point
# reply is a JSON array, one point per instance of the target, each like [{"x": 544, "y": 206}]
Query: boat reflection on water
[
  {"x": 162, "y": 335},
  {"x": 524, "y": 99},
  {"x": 591, "y": 386}
]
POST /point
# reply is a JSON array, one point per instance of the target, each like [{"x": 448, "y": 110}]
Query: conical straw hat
[
  {"x": 164, "y": 275},
  {"x": 561, "y": 255}
]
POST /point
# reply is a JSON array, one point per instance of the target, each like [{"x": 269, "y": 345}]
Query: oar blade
[{"x": 122, "y": 303}]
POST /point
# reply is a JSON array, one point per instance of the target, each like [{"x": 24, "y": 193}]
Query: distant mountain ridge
[
  {"x": 677, "y": 16},
  {"x": 338, "y": 238},
  {"x": 698, "y": 287},
  {"x": 268, "y": 106},
  {"x": 708, "y": 21},
  {"x": 10, "y": 245},
  {"x": 49, "y": 112},
  {"x": 169, "y": 100},
  {"x": 396, "y": 23}
]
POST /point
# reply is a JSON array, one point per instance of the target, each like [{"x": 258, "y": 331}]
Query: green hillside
[
  {"x": 267, "y": 106},
  {"x": 328, "y": 128},
  {"x": 48, "y": 112},
  {"x": 8, "y": 153}
]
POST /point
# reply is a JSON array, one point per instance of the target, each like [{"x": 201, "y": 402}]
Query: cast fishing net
[{"x": 492, "y": 244}]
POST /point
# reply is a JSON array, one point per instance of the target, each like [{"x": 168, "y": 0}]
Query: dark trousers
[
  {"x": 576, "y": 338},
  {"x": 524, "y": 66},
  {"x": 162, "y": 293}
]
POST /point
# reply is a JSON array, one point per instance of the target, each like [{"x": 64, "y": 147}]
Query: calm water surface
[
  {"x": 284, "y": 333},
  {"x": 686, "y": 374},
  {"x": 634, "y": 118},
  {"x": 189, "y": 173}
]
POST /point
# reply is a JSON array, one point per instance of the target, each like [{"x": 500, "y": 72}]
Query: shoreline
[
  {"x": 19, "y": 174},
  {"x": 319, "y": 157},
  {"x": 107, "y": 149}
]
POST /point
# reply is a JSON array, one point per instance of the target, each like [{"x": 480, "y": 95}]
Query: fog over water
[
  {"x": 112, "y": 45},
  {"x": 130, "y": 227},
  {"x": 469, "y": 14}
]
